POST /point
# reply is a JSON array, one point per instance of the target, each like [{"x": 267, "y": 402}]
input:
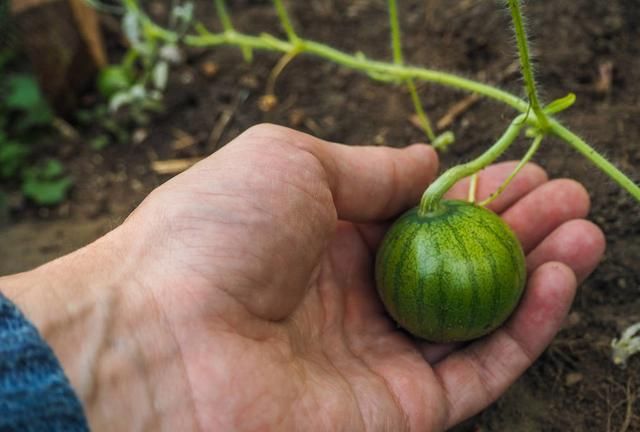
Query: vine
[{"x": 542, "y": 121}]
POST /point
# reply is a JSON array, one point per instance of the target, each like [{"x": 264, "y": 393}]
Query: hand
[{"x": 239, "y": 295}]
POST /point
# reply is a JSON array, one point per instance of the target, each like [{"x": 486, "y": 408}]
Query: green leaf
[
  {"x": 44, "y": 184},
  {"x": 46, "y": 192},
  {"x": 39, "y": 115},
  {"x": 114, "y": 79},
  {"x": 24, "y": 93},
  {"x": 12, "y": 157},
  {"x": 561, "y": 104},
  {"x": 99, "y": 142},
  {"x": 52, "y": 169}
]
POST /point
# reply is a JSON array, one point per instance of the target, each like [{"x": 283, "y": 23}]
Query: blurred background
[{"x": 95, "y": 113}]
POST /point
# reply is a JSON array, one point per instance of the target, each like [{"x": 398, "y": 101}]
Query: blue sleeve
[{"x": 35, "y": 394}]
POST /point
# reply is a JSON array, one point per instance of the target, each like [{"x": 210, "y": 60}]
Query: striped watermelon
[{"x": 452, "y": 275}]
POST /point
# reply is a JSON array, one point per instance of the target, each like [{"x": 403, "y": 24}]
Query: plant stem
[
  {"x": 525, "y": 63},
  {"x": 277, "y": 70},
  {"x": 596, "y": 158},
  {"x": 431, "y": 198},
  {"x": 227, "y": 25},
  {"x": 422, "y": 115},
  {"x": 399, "y": 72},
  {"x": 285, "y": 21},
  {"x": 394, "y": 23},
  {"x": 396, "y": 46},
  {"x": 473, "y": 188},
  {"x": 221, "y": 10},
  {"x": 527, "y": 157}
]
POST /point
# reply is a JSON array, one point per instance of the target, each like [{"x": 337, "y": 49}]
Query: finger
[
  {"x": 491, "y": 178},
  {"x": 477, "y": 375},
  {"x": 433, "y": 353},
  {"x": 377, "y": 183},
  {"x": 536, "y": 215},
  {"x": 372, "y": 234},
  {"x": 367, "y": 183},
  {"x": 579, "y": 244}
]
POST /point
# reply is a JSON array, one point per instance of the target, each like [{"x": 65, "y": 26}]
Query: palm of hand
[{"x": 271, "y": 302}]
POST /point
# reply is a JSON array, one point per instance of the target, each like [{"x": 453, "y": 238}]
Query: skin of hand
[{"x": 240, "y": 295}]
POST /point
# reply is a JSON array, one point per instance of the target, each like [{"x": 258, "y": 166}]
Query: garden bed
[{"x": 590, "y": 48}]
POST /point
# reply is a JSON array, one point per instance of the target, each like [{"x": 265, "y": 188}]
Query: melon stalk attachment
[{"x": 431, "y": 198}]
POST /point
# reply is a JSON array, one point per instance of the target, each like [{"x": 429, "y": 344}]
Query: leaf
[
  {"x": 99, "y": 142},
  {"x": 161, "y": 75},
  {"x": 12, "y": 157},
  {"x": 183, "y": 13},
  {"x": 52, "y": 169},
  {"x": 44, "y": 184},
  {"x": 113, "y": 79},
  {"x": 131, "y": 28},
  {"x": 39, "y": 115},
  {"x": 24, "y": 93},
  {"x": 561, "y": 104},
  {"x": 119, "y": 100},
  {"x": 171, "y": 53},
  {"x": 46, "y": 192}
]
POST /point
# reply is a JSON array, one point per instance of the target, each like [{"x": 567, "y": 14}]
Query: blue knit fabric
[{"x": 35, "y": 395}]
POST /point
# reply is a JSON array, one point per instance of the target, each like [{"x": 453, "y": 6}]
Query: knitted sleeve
[{"x": 35, "y": 395}]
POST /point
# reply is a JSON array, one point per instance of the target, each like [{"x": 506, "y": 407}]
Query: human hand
[{"x": 240, "y": 295}]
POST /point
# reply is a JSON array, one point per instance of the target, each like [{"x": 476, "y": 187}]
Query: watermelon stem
[
  {"x": 525, "y": 63},
  {"x": 431, "y": 198},
  {"x": 398, "y": 59},
  {"x": 527, "y": 157},
  {"x": 397, "y": 73}
]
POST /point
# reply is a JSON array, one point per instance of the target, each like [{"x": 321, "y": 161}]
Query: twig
[
  {"x": 65, "y": 129},
  {"x": 631, "y": 399},
  {"x": 173, "y": 166},
  {"x": 457, "y": 110},
  {"x": 182, "y": 140},
  {"x": 225, "y": 117}
]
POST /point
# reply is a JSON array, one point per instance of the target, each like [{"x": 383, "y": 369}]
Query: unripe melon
[{"x": 451, "y": 275}]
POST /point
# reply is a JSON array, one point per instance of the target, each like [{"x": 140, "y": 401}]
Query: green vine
[
  {"x": 430, "y": 201},
  {"x": 542, "y": 121},
  {"x": 525, "y": 63},
  {"x": 227, "y": 25},
  {"x": 396, "y": 45},
  {"x": 285, "y": 21}
]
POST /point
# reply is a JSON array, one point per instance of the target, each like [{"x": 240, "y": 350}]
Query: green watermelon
[{"x": 454, "y": 274}]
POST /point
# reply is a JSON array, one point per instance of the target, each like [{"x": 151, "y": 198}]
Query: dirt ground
[{"x": 574, "y": 386}]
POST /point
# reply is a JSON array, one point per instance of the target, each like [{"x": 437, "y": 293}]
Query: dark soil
[{"x": 574, "y": 386}]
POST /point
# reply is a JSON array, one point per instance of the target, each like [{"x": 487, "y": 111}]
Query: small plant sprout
[
  {"x": 626, "y": 346},
  {"x": 146, "y": 65}
]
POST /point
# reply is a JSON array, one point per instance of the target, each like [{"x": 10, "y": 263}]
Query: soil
[{"x": 574, "y": 386}]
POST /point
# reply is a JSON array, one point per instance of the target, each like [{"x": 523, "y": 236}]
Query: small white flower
[{"x": 626, "y": 346}]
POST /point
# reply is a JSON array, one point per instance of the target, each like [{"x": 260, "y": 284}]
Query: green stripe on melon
[{"x": 452, "y": 275}]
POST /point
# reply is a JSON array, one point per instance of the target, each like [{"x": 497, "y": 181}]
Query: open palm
[{"x": 260, "y": 263}]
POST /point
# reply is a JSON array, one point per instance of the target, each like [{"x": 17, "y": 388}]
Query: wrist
[{"x": 99, "y": 321}]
